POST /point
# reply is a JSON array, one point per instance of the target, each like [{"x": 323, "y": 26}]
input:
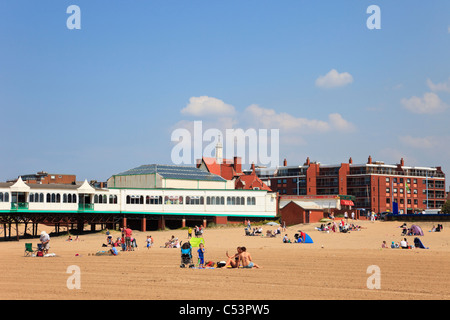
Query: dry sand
[{"x": 290, "y": 271}]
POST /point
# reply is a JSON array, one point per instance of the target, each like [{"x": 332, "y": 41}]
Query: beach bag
[
  {"x": 40, "y": 254},
  {"x": 221, "y": 264}
]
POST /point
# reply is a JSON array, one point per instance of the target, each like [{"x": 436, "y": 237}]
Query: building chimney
[
  {"x": 237, "y": 164},
  {"x": 402, "y": 162},
  {"x": 307, "y": 162},
  {"x": 253, "y": 168},
  {"x": 350, "y": 160},
  {"x": 285, "y": 162},
  {"x": 370, "y": 160}
]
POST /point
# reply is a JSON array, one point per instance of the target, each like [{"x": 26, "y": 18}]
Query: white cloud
[
  {"x": 340, "y": 124},
  {"x": 334, "y": 79},
  {"x": 444, "y": 86},
  {"x": 418, "y": 142},
  {"x": 207, "y": 106},
  {"x": 429, "y": 104},
  {"x": 269, "y": 118}
]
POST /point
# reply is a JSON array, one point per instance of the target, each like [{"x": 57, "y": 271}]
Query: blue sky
[{"x": 105, "y": 98}]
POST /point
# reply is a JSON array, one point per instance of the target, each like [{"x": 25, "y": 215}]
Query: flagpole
[
  {"x": 406, "y": 199},
  {"x": 392, "y": 193}
]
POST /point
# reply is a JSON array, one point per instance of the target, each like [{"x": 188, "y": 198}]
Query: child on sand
[
  {"x": 201, "y": 255},
  {"x": 149, "y": 242}
]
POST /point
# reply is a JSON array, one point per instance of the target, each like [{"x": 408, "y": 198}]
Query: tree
[{"x": 446, "y": 207}]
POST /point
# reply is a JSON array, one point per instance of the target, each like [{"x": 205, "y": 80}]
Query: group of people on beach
[
  {"x": 343, "y": 226},
  {"x": 198, "y": 231},
  {"x": 240, "y": 258}
]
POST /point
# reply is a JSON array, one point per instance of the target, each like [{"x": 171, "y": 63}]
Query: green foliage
[{"x": 446, "y": 207}]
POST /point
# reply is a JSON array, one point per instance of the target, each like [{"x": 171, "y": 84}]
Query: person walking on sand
[
  {"x": 128, "y": 234},
  {"x": 245, "y": 259},
  {"x": 149, "y": 242}
]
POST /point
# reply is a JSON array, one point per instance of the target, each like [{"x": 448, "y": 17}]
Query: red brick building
[
  {"x": 232, "y": 169},
  {"x": 375, "y": 185},
  {"x": 43, "y": 177}
]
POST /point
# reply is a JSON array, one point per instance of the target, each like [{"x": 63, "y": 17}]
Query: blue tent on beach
[{"x": 306, "y": 239}]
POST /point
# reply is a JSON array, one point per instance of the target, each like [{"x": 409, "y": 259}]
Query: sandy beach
[{"x": 334, "y": 267}]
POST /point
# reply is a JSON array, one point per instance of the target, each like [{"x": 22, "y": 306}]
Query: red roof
[
  {"x": 226, "y": 170},
  {"x": 230, "y": 170},
  {"x": 250, "y": 182}
]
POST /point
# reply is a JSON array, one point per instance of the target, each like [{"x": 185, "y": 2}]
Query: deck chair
[{"x": 29, "y": 249}]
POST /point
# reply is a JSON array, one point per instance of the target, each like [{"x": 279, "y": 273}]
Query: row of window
[
  {"x": 103, "y": 198},
  {"x": 4, "y": 197},
  {"x": 136, "y": 199},
  {"x": 190, "y": 200}
]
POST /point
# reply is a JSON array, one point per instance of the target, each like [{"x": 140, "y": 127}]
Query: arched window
[
  {"x": 58, "y": 198},
  {"x": 49, "y": 197},
  {"x": 41, "y": 197},
  {"x": 228, "y": 201},
  {"x": 1, "y": 196},
  {"x": 31, "y": 197},
  {"x": 53, "y": 198},
  {"x": 96, "y": 198},
  {"x": 74, "y": 198},
  {"x": 242, "y": 201},
  {"x": 233, "y": 200},
  {"x": 238, "y": 200},
  {"x": 202, "y": 200},
  {"x": 6, "y": 197},
  {"x": 208, "y": 200},
  {"x": 64, "y": 198}
]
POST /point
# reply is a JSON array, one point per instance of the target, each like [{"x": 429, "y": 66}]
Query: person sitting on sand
[
  {"x": 170, "y": 242},
  {"x": 286, "y": 239},
  {"x": 113, "y": 250},
  {"x": 404, "y": 244},
  {"x": 233, "y": 260},
  {"x": 246, "y": 259}
]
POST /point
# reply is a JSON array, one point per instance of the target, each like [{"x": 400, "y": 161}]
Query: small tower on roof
[{"x": 219, "y": 152}]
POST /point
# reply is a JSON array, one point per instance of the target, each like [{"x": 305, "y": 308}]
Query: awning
[{"x": 347, "y": 203}]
